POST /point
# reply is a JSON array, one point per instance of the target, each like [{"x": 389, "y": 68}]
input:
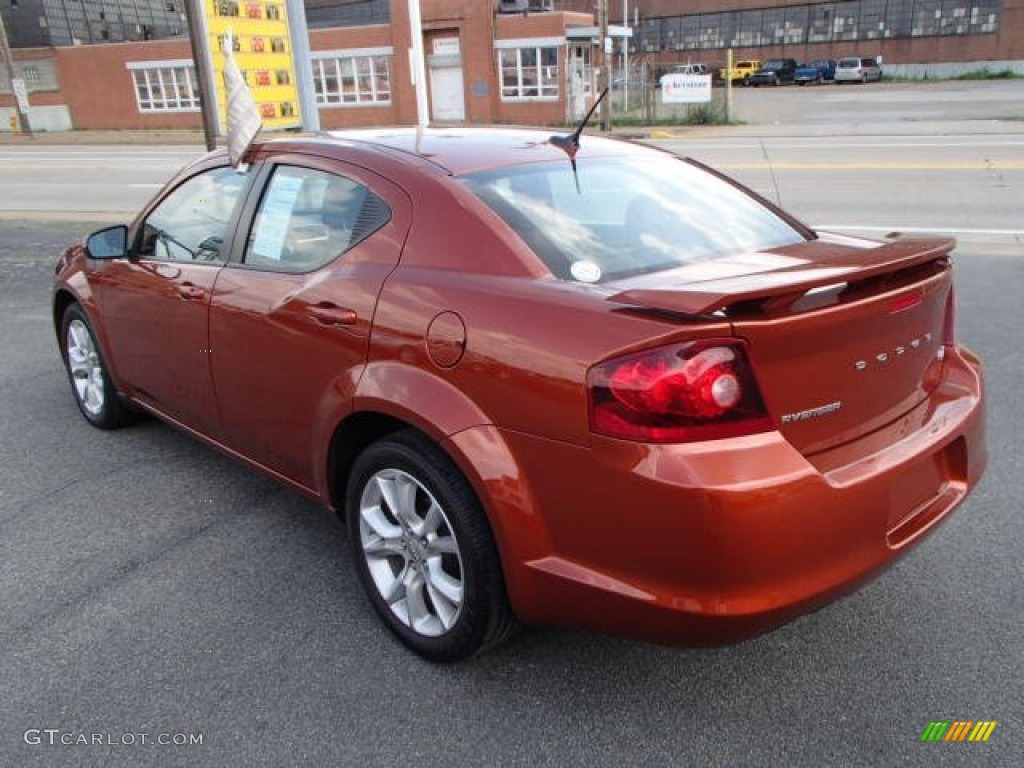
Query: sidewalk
[
  {"x": 883, "y": 109},
  {"x": 154, "y": 137}
]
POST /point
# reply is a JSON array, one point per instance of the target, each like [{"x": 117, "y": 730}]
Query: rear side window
[
  {"x": 849, "y": 63},
  {"x": 307, "y": 218},
  {"x": 628, "y": 217}
]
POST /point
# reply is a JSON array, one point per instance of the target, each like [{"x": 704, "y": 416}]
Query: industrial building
[{"x": 127, "y": 64}]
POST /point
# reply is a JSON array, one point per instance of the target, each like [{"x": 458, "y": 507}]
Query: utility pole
[
  {"x": 603, "y": 80},
  {"x": 207, "y": 94},
  {"x": 419, "y": 70},
  {"x": 22, "y": 116},
  {"x": 625, "y": 58},
  {"x": 299, "y": 31}
]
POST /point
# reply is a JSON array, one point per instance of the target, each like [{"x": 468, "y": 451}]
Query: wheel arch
[
  {"x": 62, "y": 299},
  {"x": 395, "y": 398},
  {"x": 351, "y": 437},
  {"x": 386, "y": 397},
  {"x": 77, "y": 291}
]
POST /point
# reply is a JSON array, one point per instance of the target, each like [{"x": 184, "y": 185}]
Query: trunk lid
[{"x": 844, "y": 338}]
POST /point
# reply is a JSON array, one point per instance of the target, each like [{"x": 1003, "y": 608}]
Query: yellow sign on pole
[{"x": 263, "y": 51}]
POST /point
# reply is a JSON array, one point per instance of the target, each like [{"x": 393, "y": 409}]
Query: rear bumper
[{"x": 714, "y": 542}]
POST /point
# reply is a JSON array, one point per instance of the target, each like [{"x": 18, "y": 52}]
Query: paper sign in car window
[{"x": 275, "y": 216}]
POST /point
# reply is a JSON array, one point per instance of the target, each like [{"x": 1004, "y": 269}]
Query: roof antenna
[{"x": 570, "y": 143}]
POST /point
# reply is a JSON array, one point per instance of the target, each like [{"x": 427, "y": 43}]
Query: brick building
[
  {"x": 912, "y": 37},
  {"x": 482, "y": 67},
  {"x": 504, "y": 61}
]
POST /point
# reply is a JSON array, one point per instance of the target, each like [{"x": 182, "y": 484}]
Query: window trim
[
  {"x": 320, "y": 61},
  {"x": 171, "y": 66},
  {"x": 542, "y": 82}
]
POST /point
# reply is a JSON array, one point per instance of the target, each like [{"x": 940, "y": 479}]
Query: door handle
[
  {"x": 327, "y": 313},
  {"x": 191, "y": 291}
]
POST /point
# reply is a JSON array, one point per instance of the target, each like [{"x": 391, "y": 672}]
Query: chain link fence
[{"x": 637, "y": 99}]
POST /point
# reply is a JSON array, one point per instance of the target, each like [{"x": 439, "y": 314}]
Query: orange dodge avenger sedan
[{"x": 545, "y": 379}]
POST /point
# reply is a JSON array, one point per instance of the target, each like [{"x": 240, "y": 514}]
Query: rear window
[{"x": 628, "y": 218}]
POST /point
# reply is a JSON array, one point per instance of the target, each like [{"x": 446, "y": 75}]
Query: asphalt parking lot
[{"x": 153, "y": 590}]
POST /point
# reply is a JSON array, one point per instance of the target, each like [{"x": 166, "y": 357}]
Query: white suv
[{"x": 857, "y": 70}]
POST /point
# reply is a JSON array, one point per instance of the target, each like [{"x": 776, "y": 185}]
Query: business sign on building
[
  {"x": 263, "y": 50},
  {"x": 686, "y": 89}
]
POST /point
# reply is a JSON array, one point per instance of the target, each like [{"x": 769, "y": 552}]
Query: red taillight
[
  {"x": 906, "y": 301},
  {"x": 695, "y": 391}
]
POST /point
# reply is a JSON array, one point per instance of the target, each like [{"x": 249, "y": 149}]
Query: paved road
[
  {"x": 969, "y": 185},
  {"x": 90, "y": 183},
  {"x": 149, "y": 585}
]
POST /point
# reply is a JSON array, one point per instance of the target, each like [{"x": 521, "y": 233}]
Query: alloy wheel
[
  {"x": 411, "y": 552},
  {"x": 86, "y": 368}
]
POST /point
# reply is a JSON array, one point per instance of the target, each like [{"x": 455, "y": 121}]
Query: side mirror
[{"x": 109, "y": 243}]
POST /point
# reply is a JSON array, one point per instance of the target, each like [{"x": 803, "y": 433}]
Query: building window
[
  {"x": 166, "y": 88},
  {"x": 528, "y": 73},
  {"x": 840, "y": 21},
  {"x": 31, "y": 74},
  {"x": 351, "y": 80}
]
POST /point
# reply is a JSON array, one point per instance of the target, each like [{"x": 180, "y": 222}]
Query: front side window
[
  {"x": 629, "y": 217},
  {"x": 528, "y": 73},
  {"x": 190, "y": 224},
  {"x": 307, "y": 218}
]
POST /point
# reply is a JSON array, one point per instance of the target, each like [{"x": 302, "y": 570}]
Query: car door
[
  {"x": 291, "y": 315},
  {"x": 157, "y": 300}
]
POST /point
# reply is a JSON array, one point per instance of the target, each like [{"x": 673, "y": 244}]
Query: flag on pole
[{"x": 243, "y": 118}]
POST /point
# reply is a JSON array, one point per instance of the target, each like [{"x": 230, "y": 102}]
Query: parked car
[
  {"x": 690, "y": 69},
  {"x": 774, "y": 72},
  {"x": 679, "y": 69},
  {"x": 817, "y": 72},
  {"x": 740, "y": 72},
  {"x": 596, "y": 386},
  {"x": 857, "y": 70}
]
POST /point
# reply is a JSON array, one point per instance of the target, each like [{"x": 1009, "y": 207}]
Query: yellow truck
[{"x": 740, "y": 72}]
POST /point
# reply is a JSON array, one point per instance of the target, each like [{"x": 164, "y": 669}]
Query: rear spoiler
[{"x": 833, "y": 264}]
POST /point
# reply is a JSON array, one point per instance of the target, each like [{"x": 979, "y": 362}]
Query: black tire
[
  {"x": 99, "y": 403},
  {"x": 425, "y": 476}
]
